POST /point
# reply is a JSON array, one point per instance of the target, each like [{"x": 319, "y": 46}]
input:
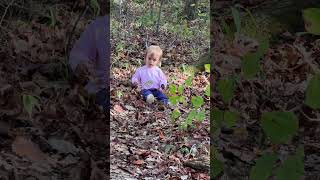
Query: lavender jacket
[{"x": 94, "y": 47}]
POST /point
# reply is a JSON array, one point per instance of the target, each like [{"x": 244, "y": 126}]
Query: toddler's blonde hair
[{"x": 155, "y": 49}]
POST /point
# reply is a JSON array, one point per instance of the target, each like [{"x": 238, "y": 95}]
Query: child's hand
[{"x": 162, "y": 87}]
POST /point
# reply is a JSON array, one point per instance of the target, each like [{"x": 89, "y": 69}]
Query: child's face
[{"x": 152, "y": 59}]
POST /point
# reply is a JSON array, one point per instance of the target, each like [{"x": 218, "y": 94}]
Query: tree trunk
[
  {"x": 190, "y": 9},
  {"x": 159, "y": 15}
]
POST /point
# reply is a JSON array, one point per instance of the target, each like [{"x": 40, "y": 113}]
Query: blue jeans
[
  {"x": 102, "y": 99},
  {"x": 156, "y": 93}
]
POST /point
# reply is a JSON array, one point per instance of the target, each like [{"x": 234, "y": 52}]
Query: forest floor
[
  {"x": 286, "y": 70},
  {"x": 145, "y": 141},
  {"x": 65, "y": 135}
]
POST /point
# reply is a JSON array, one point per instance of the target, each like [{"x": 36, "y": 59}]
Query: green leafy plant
[
  {"x": 197, "y": 101},
  {"x": 217, "y": 167},
  {"x": 217, "y": 116},
  {"x": 237, "y": 19},
  {"x": 146, "y": 20},
  {"x": 251, "y": 62},
  {"x": 119, "y": 94},
  {"x": 230, "y": 118},
  {"x": 95, "y": 6},
  {"x": 200, "y": 116},
  {"x": 226, "y": 88},
  {"x": 292, "y": 167},
  {"x": 279, "y": 126},
  {"x": 176, "y": 96},
  {"x": 52, "y": 18},
  {"x": 263, "y": 168},
  {"x": 172, "y": 89},
  {"x": 120, "y": 47},
  {"x": 29, "y": 102},
  {"x": 313, "y": 92},
  {"x": 207, "y": 90},
  {"x": 174, "y": 99},
  {"x": 181, "y": 89},
  {"x": 175, "y": 113},
  {"x": 226, "y": 29},
  {"x": 311, "y": 18},
  {"x": 188, "y": 82},
  {"x": 207, "y": 68}
]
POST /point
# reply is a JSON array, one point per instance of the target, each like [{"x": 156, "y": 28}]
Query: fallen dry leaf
[
  {"x": 159, "y": 114},
  {"x": 138, "y": 162},
  {"x": 118, "y": 109},
  {"x": 25, "y": 147},
  {"x": 161, "y": 135}
]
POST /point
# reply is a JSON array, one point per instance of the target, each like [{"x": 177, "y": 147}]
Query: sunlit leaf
[
  {"x": 172, "y": 89},
  {"x": 188, "y": 82},
  {"x": 174, "y": 100},
  {"x": 180, "y": 89},
  {"x": 200, "y": 116},
  {"x": 197, "y": 101},
  {"x": 207, "y": 91},
  {"x": 207, "y": 68},
  {"x": 175, "y": 113},
  {"x": 119, "y": 94},
  {"x": 182, "y": 99}
]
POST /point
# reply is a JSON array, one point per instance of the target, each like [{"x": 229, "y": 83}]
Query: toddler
[
  {"x": 90, "y": 57},
  {"x": 150, "y": 77}
]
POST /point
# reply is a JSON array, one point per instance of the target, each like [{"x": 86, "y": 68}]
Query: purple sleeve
[
  {"x": 136, "y": 77},
  {"x": 163, "y": 78},
  {"x": 84, "y": 50}
]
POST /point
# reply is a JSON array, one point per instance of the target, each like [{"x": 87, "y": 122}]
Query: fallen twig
[
  {"x": 309, "y": 118},
  {"x": 197, "y": 165},
  {"x": 5, "y": 11}
]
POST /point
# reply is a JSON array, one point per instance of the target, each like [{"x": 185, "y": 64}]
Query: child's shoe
[{"x": 150, "y": 99}]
